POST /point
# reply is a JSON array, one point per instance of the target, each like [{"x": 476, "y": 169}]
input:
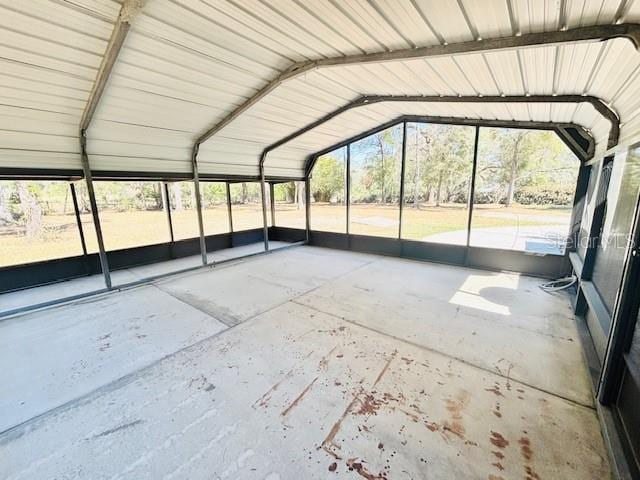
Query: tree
[
  {"x": 31, "y": 211},
  {"x": 377, "y": 158},
  {"x": 213, "y": 193},
  {"x": 6, "y": 217},
  {"x": 517, "y": 141},
  {"x": 327, "y": 181},
  {"x": 177, "y": 196},
  {"x": 511, "y": 158},
  {"x": 439, "y": 163}
]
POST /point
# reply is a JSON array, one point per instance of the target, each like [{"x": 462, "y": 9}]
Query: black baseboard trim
[
  {"x": 546, "y": 266},
  {"x": 51, "y": 271},
  {"x": 606, "y": 416}
]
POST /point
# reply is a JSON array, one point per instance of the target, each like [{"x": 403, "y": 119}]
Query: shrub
[{"x": 544, "y": 196}]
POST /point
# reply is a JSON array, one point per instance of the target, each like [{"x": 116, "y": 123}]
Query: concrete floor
[{"x": 307, "y": 363}]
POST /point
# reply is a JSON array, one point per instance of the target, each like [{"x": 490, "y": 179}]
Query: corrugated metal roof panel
[
  {"x": 49, "y": 55},
  {"x": 490, "y": 18}
]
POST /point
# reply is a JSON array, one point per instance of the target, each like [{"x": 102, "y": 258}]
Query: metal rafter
[
  {"x": 598, "y": 104},
  {"x": 128, "y": 12},
  {"x": 630, "y": 31}
]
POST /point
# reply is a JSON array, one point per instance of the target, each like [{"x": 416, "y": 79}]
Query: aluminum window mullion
[
  {"x": 472, "y": 188},
  {"x": 76, "y": 209},
  {"x": 402, "y": 172}
]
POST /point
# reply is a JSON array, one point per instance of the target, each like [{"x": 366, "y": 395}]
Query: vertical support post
[
  {"x": 307, "y": 206},
  {"x": 196, "y": 184},
  {"x": 263, "y": 189},
  {"x": 229, "y": 207},
  {"x": 347, "y": 199},
  {"x": 579, "y": 203},
  {"x": 167, "y": 204},
  {"x": 128, "y": 11},
  {"x": 78, "y": 218},
  {"x": 402, "y": 170},
  {"x": 272, "y": 202},
  {"x": 104, "y": 263},
  {"x": 472, "y": 188}
]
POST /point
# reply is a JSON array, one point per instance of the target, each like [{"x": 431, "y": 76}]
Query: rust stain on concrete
[
  {"x": 498, "y": 440},
  {"x": 324, "y": 361},
  {"x": 525, "y": 448},
  {"x": 455, "y": 407},
  {"x": 298, "y": 399},
  {"x": 263, "y": 401},
  {"x": 495, "y": 390},
  {"x": 358, "y": 467},
  {"x": 328, "y": 441},
  {"x": 385, "y": 368}
]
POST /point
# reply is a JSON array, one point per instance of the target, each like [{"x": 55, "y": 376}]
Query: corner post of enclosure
[
  {"x": 263, "y": 189},
  {"x": 76, "y": 209},
  {"x": 196, "y": 184},
  {"x": 104, "y": 263},
  {"x": 402, "y": 170},
  {"x": 472, "y": 186}
]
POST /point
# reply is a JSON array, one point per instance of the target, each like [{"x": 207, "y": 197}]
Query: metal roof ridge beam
[{"x": 630, "y": 31}]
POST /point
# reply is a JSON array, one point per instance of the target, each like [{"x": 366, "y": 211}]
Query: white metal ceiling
[{"x": 186, "y": 64}]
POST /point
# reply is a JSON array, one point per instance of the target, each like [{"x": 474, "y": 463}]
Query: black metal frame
[
  {"x": 472, "y": 187},
  {"x": 576, "y": 137},
  {"x": 498, "y": 264},
  {"x": 558, "y": 128},
  {"x": 76, "y": 209},
  {"x": 614, "y": 328},
  {"x": 402, "y": 172},
  {"x": 545, "y": 266}
]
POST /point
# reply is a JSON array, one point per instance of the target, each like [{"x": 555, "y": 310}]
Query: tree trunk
[
  {"x": 177, "y": 196},
  {"x": 244, "y": 193},
  {"x": 32, "y": 213},
  {"x": 300, "y": 196},
  {"x": 5, "y": 214},
  {"x": 381, "y": 176},
  {"x": 66, "y": 197},
  {"x": 439, "y": 189},
  {"x": 416, "y": 178},
  {"x": 513, "y": 172}
]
